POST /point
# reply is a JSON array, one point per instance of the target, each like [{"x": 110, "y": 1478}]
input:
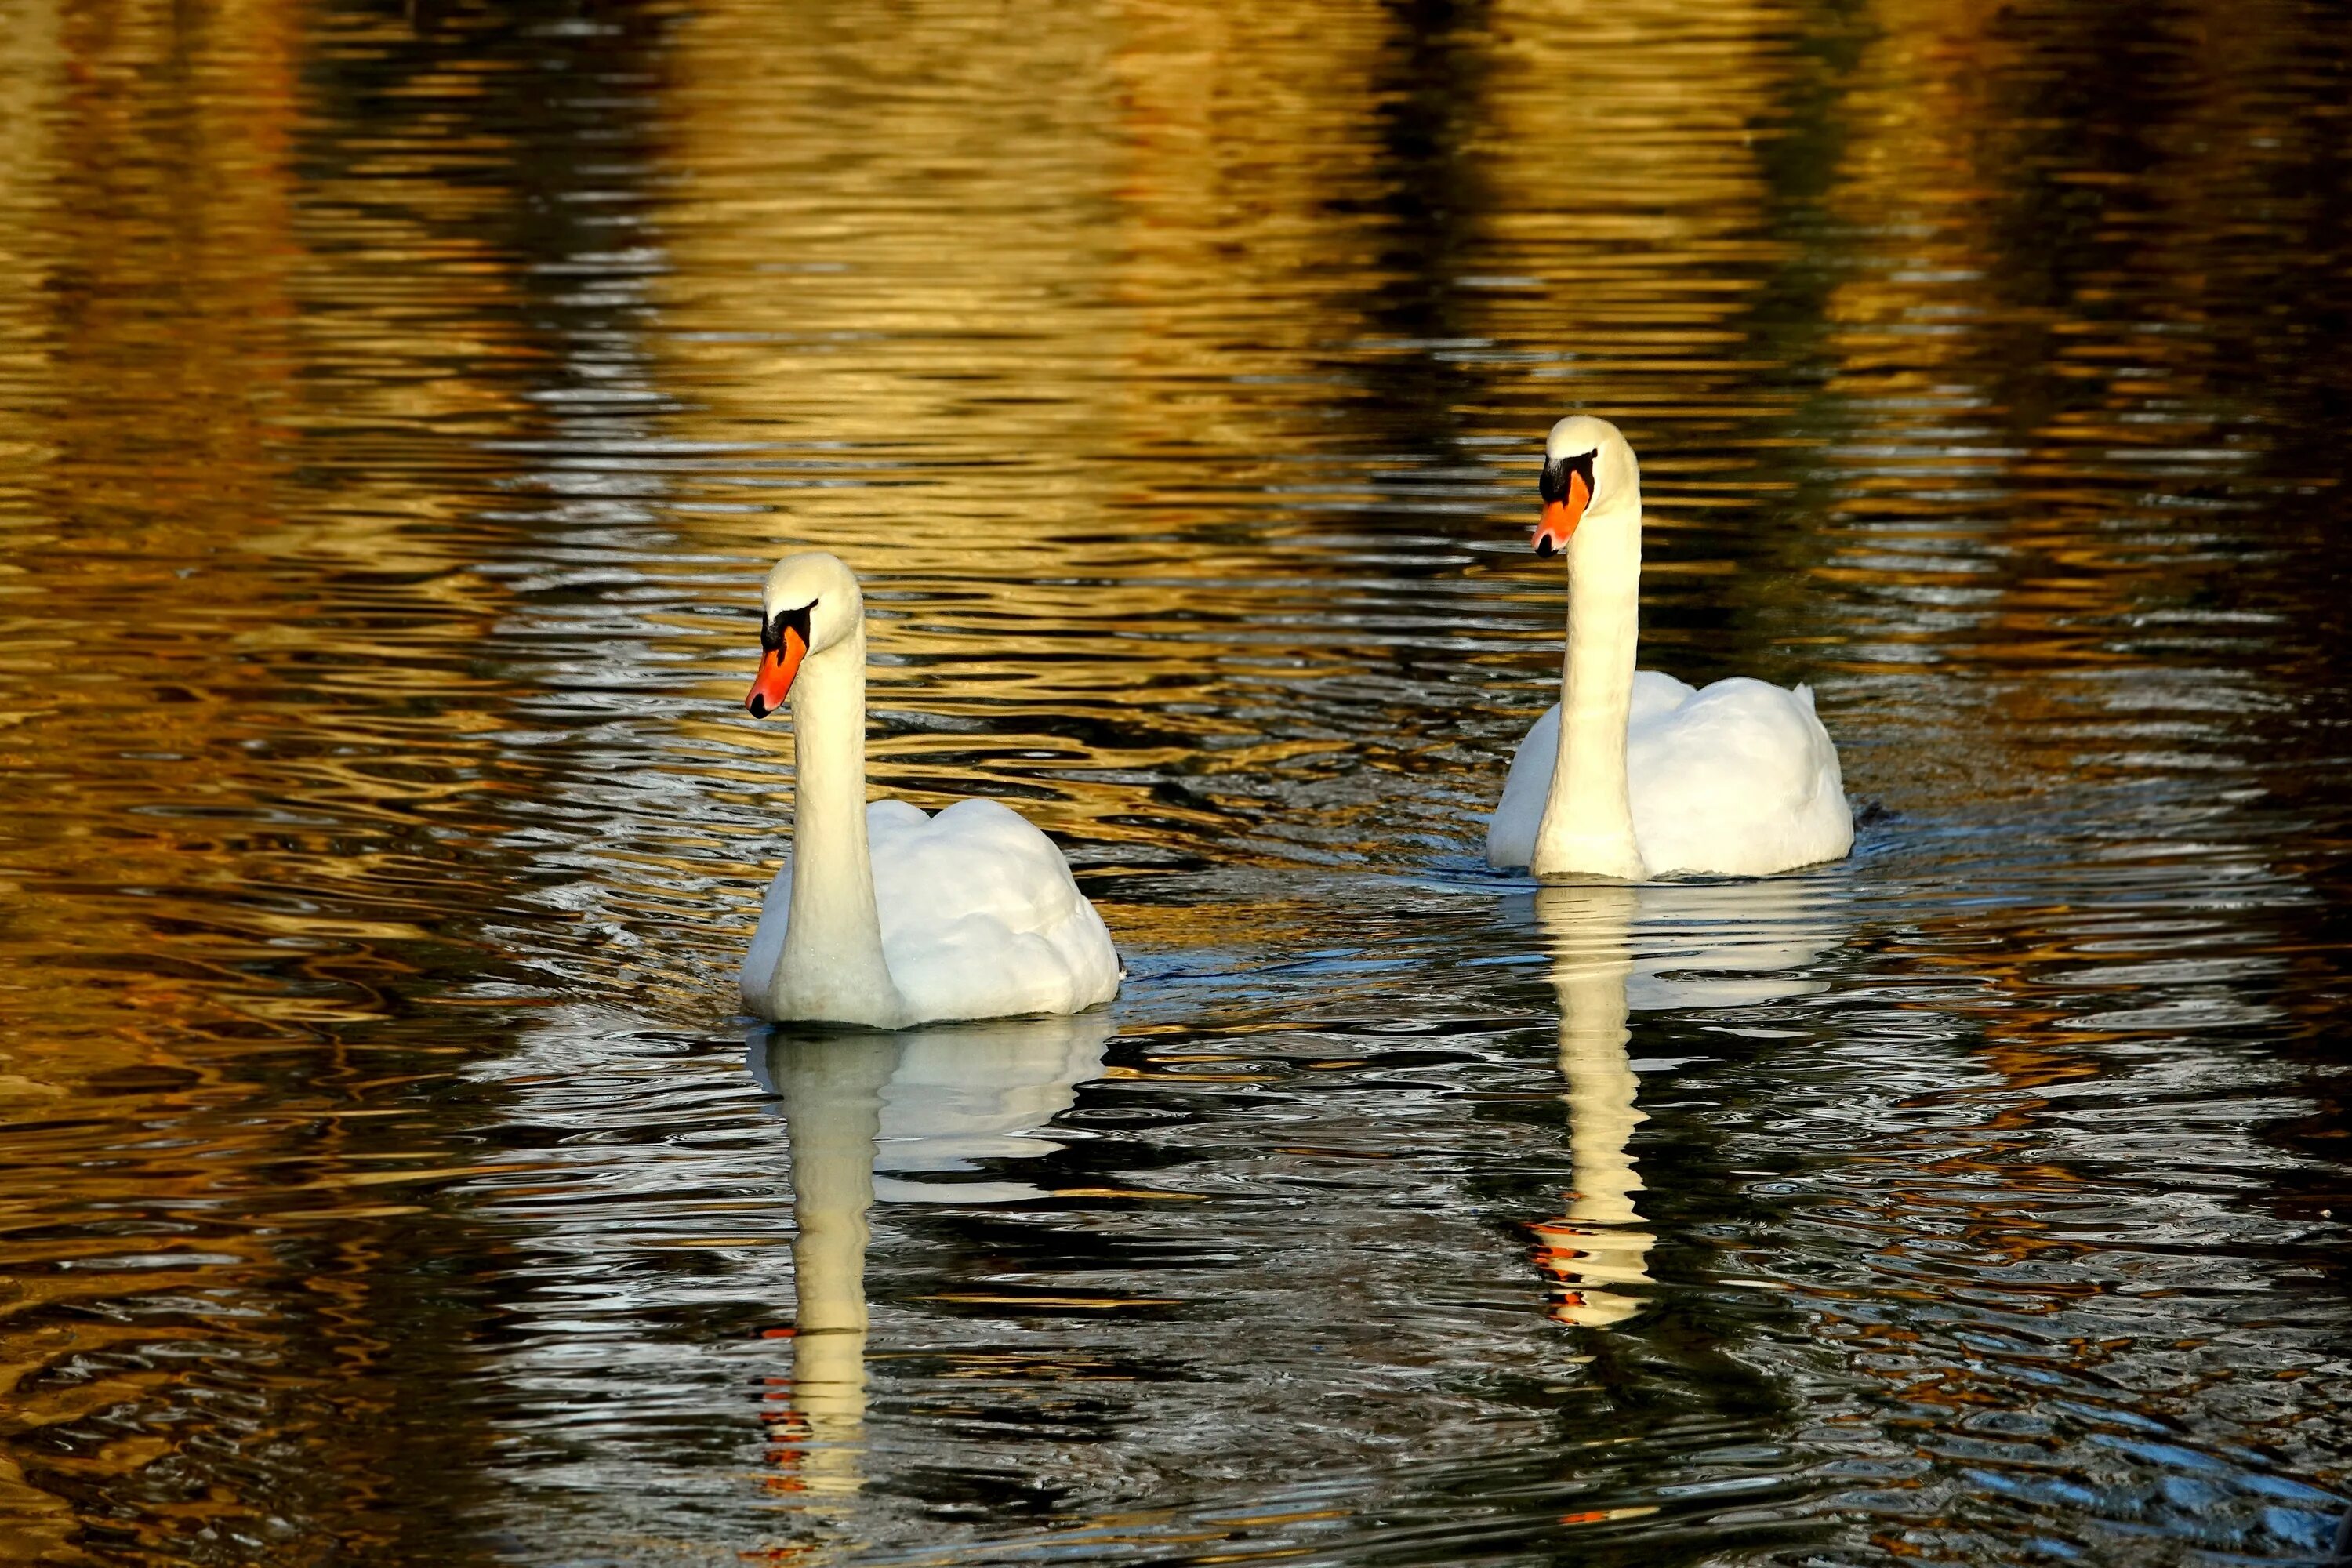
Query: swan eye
[{"x": 1553, "y": 481}]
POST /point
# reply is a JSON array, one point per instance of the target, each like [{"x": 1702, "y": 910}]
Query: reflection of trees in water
[
  {"x": 2089, "y": 258},
  {"x": 257, "y": 301},
  {"x": 271, "y": 277},
  {"x": 2083, "y": 257},
  {"x": 980, "y": 325},
  {"x": 918, "y": 1104}
]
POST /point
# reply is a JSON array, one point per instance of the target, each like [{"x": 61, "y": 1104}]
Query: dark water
[{"x": 397, "y": 409}]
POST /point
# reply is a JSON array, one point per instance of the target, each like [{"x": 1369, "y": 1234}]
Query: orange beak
[
  {"x": 777, "y": 668},
  {"x": 1559, "y": 519}
]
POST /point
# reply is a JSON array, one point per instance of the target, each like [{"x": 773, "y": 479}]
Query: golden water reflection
[{"x": 398, "y": 405}]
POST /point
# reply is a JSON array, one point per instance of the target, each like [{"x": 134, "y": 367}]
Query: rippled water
[{"x": 396, "y": 410}]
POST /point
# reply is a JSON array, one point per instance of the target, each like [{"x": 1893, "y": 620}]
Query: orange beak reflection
[
  {"x": 777, "y": 668},
  {"x": 1559, "y": 519}
]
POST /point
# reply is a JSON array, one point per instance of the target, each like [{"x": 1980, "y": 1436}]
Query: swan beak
[
  {"x": 1561, "y": 517},
  {"x": 777, "y": 668}
]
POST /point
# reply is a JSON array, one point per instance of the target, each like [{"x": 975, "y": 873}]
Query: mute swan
[
  {"x": 884, "y": 916},
  {"x": 1648, "y": 777}
]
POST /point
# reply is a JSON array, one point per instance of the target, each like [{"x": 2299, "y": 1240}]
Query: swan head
[
  {"x": 1588, "y": 468},
  {"x": 810, "y": 603}
]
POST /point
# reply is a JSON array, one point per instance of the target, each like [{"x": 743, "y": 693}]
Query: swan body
[
  {"x": 1738, "y": 780},
  {"x": 886, "y": 915},
  {"x": 1633, "y": 774},
  {"x": 978, "y": 916}
]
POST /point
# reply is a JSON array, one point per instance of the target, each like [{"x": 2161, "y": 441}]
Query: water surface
[{"x": 398, "y": 410}]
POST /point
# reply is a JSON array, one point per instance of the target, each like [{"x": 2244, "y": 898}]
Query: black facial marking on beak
[
  {"x": 784, "y": 643},
  {"x": 1543, "y": 548},
  {"x": 1552, "y": 483},
  {"x": 772, "y": 633}
]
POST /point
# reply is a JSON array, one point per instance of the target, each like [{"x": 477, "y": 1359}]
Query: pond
[{"x": 398, "y": 408}]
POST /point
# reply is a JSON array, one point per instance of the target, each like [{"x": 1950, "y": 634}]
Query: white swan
[
  {"x": 884, "y": 916},
  {"x": 1648, "y": 777}
]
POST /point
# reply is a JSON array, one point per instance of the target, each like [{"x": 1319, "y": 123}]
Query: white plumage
[
  {"x": 979, "y": 917},
  {"x": 1737, "y": 780},
  {"x": 884, "y": 916}
]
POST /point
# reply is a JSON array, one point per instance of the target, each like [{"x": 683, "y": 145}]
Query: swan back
[
  {"x": 1737, "y": 780},
  {"x": 980, "y": 917}
]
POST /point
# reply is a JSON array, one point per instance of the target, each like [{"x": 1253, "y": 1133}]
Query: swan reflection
[
  {"x": 1616, "y": 950},
  {"x": 869, "y": 1117}
]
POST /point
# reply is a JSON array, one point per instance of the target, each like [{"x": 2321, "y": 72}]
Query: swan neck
[
  {"x": 832, "y": 965},
  {"x": 1587, "y": 821}
]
